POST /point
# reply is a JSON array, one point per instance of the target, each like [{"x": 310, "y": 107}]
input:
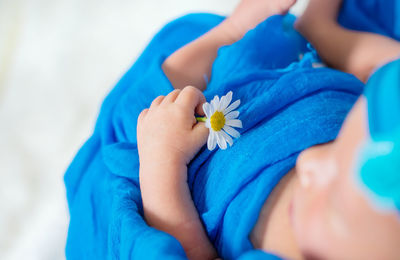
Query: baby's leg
[
  {"x": 351, "y": 51},
  {"x": 192, "y": 64}
]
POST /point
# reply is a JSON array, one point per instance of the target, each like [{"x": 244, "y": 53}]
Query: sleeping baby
[
  {"x": 146, "y": 186},
  {"x": 169, "y": 136},
  {"x": 169, "y": 139}
]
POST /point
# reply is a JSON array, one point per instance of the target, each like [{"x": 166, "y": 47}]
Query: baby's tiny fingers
[
  {"x": 200, "y": 134},
  {"x": 156, "y": 101},
  {"x": 142, "y": 114},
  {"x": 190, "y": 97},
  {"x": 199, "y": 110},
  {"x": 171, "y": 97}
]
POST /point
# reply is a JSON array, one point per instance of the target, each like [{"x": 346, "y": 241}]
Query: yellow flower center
[{"x": 217, "y": 121}]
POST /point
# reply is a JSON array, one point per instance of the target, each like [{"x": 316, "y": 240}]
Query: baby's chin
[
  {"x": 309, "y": 251},
  {"x": 312, "y": 238}
]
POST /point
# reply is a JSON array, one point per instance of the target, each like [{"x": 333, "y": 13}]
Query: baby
[{"x": 169, "y": 137}]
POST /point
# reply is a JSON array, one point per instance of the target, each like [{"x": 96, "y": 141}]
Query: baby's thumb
[{"x": 200, "y": 134}]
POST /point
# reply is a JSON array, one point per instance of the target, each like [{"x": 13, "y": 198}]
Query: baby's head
[{"x": 347, "y": 203}]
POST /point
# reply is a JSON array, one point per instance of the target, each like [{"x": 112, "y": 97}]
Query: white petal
[
  {"x": 221, "y": 141},
  {"x": 225, "y": 101},
  {"x": 227, "y": 138},
  {"x": 222, "y": 103},
  {"x": 232, "y": 115},
  {"x": 233, "y": 106},
  {"x": 208, "y": 123},
  {"x": 215, "y": 103},
  {"x": 207, "y": 110},
  {"x": 234, "y": 123},
  {"x": 212, "y": 141},
  {"x": 231, "y": 131}
]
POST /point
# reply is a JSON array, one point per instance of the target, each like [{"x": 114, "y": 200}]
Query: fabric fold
[{"x": 287, "y": 106}]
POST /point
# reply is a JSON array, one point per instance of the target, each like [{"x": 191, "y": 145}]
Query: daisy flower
[{"x": 220, "y": 119}]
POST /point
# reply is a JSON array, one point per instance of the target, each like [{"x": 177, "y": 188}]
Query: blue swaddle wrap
[
  {"x": 283, "y": 111},
  {"x": 287, "y": 106},
  {"x": 380, "y": 156},
  {"x": 376, "y": 16}
]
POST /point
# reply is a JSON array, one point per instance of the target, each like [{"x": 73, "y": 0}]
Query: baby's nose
[{"x": 315, "y": 167}]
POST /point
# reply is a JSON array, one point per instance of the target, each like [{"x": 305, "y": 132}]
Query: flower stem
[{"x": 201, "y": 119}]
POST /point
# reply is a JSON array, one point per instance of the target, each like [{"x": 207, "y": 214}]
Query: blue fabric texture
[
  {"x": 380, "y": 156},
  {"x": 374, "y": 16},
  {"x": 287, "y": 106}
]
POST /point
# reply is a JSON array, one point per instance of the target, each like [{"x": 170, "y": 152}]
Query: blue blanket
[
  {"x": 374, "y": 16},
  {"x": 287, "y": 106}
]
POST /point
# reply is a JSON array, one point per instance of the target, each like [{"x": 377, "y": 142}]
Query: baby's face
[{"x": 331, "y": 216}]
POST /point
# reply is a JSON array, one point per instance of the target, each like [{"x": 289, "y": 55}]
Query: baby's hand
[
  {"x": 249, "y": 13},
  {"x": 168, "y": 138},
  {"x": 167, "y": 132}
]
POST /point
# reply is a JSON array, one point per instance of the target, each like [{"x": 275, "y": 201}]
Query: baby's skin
[
  {"x": 189, "y": 64},
  {"x": 169, "y": 136},
  {"x": 355, "y": 52}
]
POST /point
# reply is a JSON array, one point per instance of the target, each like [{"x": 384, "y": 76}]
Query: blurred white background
[{"x": 58, "y": 60}]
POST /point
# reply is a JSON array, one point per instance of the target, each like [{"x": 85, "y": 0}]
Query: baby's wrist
[
  {"x": 158, "y": 170},
  {"x": 157, "y": 156}
]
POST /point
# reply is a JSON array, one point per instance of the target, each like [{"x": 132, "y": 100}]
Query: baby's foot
[
  {"x": 318, "y": 14},
  {"x": 280, "y": 6},
  {"x": 249, "y": 13}
]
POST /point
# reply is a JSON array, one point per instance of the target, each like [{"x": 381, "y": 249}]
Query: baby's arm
[
  {"x": 191, "y": 64},
  {"x": 359, "y": 53},
  {"x": 168, "y": 138}
]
